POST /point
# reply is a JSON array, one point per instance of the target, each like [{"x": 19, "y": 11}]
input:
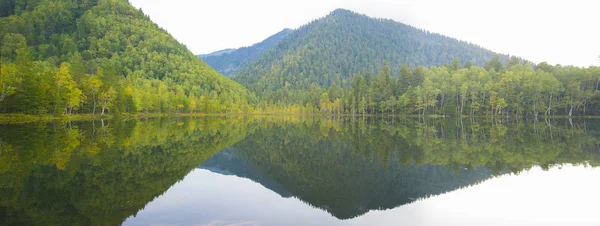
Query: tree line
[
  {"x": 39, "y": 87},
  {"x": 517, "y": 88}
]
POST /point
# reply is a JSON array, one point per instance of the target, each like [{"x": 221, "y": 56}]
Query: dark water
[{"x": 300, "y": 171}]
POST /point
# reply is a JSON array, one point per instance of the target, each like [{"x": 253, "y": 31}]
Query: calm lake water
[{"x": 301, "y": 171}]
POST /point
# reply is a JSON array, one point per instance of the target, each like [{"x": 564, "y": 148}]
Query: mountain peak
[
  {"x": 228, "y": 61},
  {"x": 333, "y": 48},
  {"x": 342, "y": 11}
]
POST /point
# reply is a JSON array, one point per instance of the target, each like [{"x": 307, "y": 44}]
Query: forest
[
  {"x": 67, "y": 57},
  {"x": 331, "y": 49},
  {"x": 517, "y": 88},
  {"x": 106, "y": 57}
]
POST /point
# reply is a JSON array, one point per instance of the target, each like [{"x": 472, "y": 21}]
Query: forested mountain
[
  {"x": 229, "y": 61},
  {"x": 90, "y": 56},
  {"x": 330, "y": 50}
]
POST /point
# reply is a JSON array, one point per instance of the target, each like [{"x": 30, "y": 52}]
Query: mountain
[
  {"x": 333, "y": 48},
  {"x": 217, "y": 53},
  {"x": 105, "y": 40},
  {"x": 228, "y": 61}
]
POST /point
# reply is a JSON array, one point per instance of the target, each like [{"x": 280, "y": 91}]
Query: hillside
[
  {"x": 70, "y": 56},
  {"x": 333, "y": 48},
  {"x": 229, "y": 61}
]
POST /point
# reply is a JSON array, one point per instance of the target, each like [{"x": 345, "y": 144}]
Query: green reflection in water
[
  {"x": 349, "y": 167},
  {"x": 101, "y": 172}
]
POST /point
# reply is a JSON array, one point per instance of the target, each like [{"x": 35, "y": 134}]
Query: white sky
[{"x": 559, "y": 32}]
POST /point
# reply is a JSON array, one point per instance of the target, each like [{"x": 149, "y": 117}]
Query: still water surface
[{"x": 300, "y": 171}]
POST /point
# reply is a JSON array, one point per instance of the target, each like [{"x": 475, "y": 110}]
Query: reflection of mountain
[
  {"x": 345, "y": 184},
  {"x": 350, "y": 168},
  {"x": 100, "y": 173},
  {"x": 227, "y": 162}
]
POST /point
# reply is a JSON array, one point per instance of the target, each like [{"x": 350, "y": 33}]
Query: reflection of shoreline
[{"x": 54, "y": 174}]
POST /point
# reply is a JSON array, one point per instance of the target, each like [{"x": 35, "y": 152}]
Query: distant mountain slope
[
  {"x": 343, "y": 43},
  {"x": 228, "y": 61},
  {"x": 217, "y": 53},
  {"x": 114, "y": 36}
]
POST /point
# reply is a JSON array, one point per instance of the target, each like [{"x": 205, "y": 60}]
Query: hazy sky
[{"x": 559, "y": 32}]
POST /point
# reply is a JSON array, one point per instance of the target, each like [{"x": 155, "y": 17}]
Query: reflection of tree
[
  {"x": 349, "y": 168},
  {"x": 100, "y": 173}
]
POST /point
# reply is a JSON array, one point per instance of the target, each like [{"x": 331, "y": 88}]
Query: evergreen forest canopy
[
  {"x": 328, "y": 51},
  {"x": 97, "y": 56},
  {"x": 512, "y": 89}
]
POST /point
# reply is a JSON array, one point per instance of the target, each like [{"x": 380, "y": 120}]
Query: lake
[{"x": 301, "y": 171}]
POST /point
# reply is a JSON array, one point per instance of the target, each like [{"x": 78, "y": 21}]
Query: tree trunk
[
  {"x": 94, "y": 98},
  {"x": 442, "y": 102},
  {"x": 571, "y": 111},
  {"x": 103, "y": 107}
]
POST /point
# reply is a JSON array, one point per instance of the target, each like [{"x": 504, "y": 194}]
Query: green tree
[{"x": 9, "y": 80}]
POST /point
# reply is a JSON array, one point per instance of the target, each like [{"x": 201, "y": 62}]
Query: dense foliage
[
  {"x": 229, "y": 61},
  {"x": 92, "y": 56},
  {"x": 100, "y": 172},
  {"x": 348, "y": 167},
  {"x": 516, "y": 88},
  {"x": 328, "y": 51}
]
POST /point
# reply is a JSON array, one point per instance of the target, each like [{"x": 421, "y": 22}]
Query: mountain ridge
[{"x": 228, "y": 61}]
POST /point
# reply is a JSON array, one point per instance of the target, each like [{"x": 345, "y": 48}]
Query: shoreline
[{"x": 24, "y": 118}]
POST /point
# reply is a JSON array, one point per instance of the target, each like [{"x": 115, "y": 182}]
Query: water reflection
[
  {"x": 264, "y": 170},
  {"x": 99, "y": 173},
  {"x": 348, "y": 168},
  {"x": 534, "y": 197}
]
